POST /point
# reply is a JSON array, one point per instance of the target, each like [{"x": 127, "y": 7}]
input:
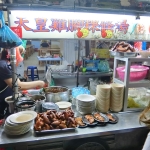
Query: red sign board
[{"x": 17, "y": 30}]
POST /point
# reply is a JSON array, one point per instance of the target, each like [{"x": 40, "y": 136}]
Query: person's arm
[
  {"x": 26, "y": 85},
  {"x": 6, "y": 75}
]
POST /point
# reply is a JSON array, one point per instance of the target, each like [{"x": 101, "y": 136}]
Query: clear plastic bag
[
  {"x": 8, "y": 39},
  {"x": 103, "y": 66},
  {"x": 49, "y": 76}
]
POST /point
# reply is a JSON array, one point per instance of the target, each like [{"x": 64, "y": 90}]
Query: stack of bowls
[
  {"x": 85, "y": 104},
  {"x": 117, "y": 94},
  {"x": 103, "y": 98},
  {"x": 19, "y": 123}
]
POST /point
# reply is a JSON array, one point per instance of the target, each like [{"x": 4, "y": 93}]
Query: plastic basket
[{"x": 137, "y": 73}]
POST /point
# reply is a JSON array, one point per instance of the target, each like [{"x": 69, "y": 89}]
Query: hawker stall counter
[{"x": 128, "y": 122}]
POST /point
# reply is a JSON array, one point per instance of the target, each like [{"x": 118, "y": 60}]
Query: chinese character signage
[{"x": 74, "y": 25}]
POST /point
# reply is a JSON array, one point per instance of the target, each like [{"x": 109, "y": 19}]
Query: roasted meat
[
  {"x": 110, "y": 117},
  {"x": 90, "y": 118},
  {"x": 123, "y": 47},
  {"x": 51, "y": 120},
  {"x": 99, "y": 117},
  {"x": 79, "y": 121}
]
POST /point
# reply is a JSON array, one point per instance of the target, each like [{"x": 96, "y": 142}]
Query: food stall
[{"x": 103, "y": 135}]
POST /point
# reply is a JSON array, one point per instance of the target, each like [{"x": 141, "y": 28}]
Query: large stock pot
[{"x": 56, "y": 94}]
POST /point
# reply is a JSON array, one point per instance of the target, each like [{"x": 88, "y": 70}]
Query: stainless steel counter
[
  {"x": 127, "y": 122},
  {"x": 57, "y": 75}
]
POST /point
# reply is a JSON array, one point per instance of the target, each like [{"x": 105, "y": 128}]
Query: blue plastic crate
[{"x": 95, "y": 67}]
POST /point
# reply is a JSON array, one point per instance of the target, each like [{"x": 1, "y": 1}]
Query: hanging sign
[
  {"x": 74, "y": 25},
  {"x": 17, "y": 30}
]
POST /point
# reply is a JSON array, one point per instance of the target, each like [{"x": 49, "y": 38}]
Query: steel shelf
[
  {"x": 142, "y": 83},
  {"x": 59, "y": 75},
  {"x": 126, "y": 83},
  {"x": 133, "y": 59}
]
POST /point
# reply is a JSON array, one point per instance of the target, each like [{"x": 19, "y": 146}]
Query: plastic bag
[
  {"x": 8, "y": 39},
  {"x": 48, "y": 76},
  {"x": 52, "y": 83},
  {"x": 78, "y": 91},
  {"x": 24, "y": 43},
  {"x": 145, "y": 115},
  {"x": 18, "y": 56}
]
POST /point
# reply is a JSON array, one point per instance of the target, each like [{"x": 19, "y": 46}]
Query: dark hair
[{"x": 4, "y": 55}]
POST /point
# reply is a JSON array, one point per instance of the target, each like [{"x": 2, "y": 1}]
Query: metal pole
[
  {"x": 14, "y": 76},
  {"x": 78, "y": 63}
]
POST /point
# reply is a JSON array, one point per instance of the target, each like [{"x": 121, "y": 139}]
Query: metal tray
[
  {"x": 83, "y": 122},
  {"x": 123, "y": 54},
  {"x": 115, "y": 117},
  {"x": 102, "y": 124},
  {"x": 104, "y": 116},
  {"x": 43, "y": 132},
  {"x": 88, "y": 123}
]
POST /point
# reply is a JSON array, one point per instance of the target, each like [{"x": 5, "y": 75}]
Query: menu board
[{"x": 75, "y": 25}]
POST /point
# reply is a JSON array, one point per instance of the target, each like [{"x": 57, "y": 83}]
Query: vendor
[{"x": 6, "y": 82}]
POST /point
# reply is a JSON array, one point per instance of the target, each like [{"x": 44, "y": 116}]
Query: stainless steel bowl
[
  {"x": 56, "y": 94},
  {"x": 25, "y": 105},
  {"x": 39, "y": 100}
]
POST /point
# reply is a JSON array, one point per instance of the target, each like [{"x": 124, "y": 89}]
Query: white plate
[
  {"x": 63, "y": 105},
  {"x": 23, "y": 116},
  {"x": 17, "y": 133}
]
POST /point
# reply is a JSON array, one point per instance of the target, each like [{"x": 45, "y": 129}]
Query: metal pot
[
  {"x": 24, "y": 98},
  {"x": 25, "y": 105},
  {"x": 70, "y": 68},
  {"x": 10, "y": 102},
  {"x": 57, "y": 93},
  {"x": 39, "y": 99}
]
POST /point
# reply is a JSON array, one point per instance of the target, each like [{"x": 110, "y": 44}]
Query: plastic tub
[{"x": 137, "y": 73}]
